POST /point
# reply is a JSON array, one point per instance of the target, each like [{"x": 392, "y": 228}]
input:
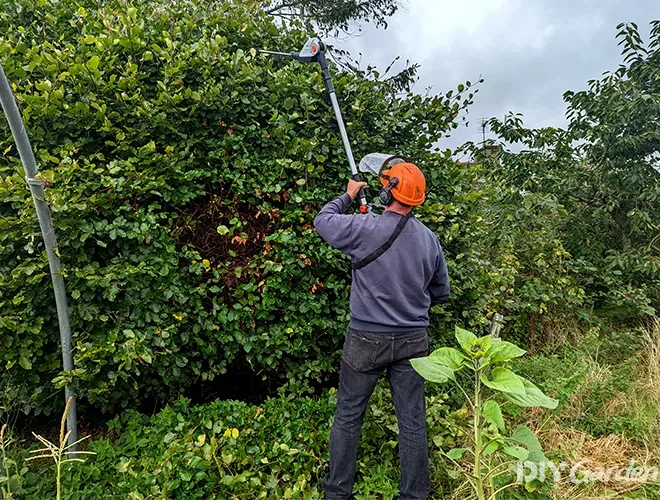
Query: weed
[
  {"x": 651, "y": 360},
  {"x": 486, "y": 360},
  {"x": 61, "y": 453},
  {"x": 11, "y": 480}
]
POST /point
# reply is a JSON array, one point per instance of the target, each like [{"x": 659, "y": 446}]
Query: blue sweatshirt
[{"x": 394, "y": 292}]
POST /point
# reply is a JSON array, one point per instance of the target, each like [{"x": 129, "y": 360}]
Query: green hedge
[{"x": 186, "y": 171}]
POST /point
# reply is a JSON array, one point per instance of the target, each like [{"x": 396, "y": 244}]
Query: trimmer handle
[{"x": 362, "y": 195}]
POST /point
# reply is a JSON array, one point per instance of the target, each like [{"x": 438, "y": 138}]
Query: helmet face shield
[
  {"x": 375, "y": 163},
  {"x": 410, "y": 184}
]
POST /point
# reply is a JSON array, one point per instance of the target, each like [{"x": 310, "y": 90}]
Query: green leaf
[
  {"x": 93, "y": 63},
  {"x": 465, "y": 339},
  {"x": 491, "y": 448},
  {"x": 493, "y": 414},
  {"x": 456, "y": 453},
  {"x": 516, "y": 452},
  {"x": 531, "y": 396},
  {"x": 432, "y": 371},
  {"x": 504, "y": 380},
  {"x": 43, "y": 86},
  {"x": 222, "y": 230},
  {"x": 48, "y": 175},
  {"x": 448, "y": 356},
  {"x": 24, "y": 362},
  {"x": 523, "y": 435},
  {"x": 504, "y": 351},
  {"x": 481, "y": 347}
]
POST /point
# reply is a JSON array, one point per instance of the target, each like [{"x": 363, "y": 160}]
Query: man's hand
[{"x": 354, "y": 188}]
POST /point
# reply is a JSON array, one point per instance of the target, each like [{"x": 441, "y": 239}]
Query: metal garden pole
[{"x": 45, "y": 222}]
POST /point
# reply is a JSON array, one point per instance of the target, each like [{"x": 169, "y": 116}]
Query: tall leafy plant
[{"x": 486, "y": 361}]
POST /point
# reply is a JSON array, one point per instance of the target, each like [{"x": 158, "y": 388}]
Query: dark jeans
[{"x": 365, "y": 356}]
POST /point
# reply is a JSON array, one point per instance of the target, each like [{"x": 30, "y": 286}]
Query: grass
[
  {"x": 597, "y": 454},
  {"x": 61, "y": 452},
  {"x": 609, "y": 412},
  {"x": 652, "y": 361},
  {"x": 6, "y": 486}
]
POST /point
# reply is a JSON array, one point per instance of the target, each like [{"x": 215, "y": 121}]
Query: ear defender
[{"x": 385, "y": 195}]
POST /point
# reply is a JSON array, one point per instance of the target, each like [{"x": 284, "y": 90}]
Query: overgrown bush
[{"x": 278, "y": 449}]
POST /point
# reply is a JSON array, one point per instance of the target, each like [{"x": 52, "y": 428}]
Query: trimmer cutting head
[
  {"x": 312, "y": 48},
  {"x": 309, "y": 53}
]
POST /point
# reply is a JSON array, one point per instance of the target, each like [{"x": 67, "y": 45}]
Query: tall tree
[
  {"x": 605, "y": 169},
  {"x": 618, "y": 118}
]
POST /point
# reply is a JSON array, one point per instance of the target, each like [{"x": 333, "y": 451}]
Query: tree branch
[{"x": 274, "y": 10}]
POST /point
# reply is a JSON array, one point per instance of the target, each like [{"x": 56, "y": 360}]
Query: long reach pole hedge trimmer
[{"x": 314, "y": 52}]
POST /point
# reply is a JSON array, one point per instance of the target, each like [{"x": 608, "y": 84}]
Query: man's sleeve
[
  {"x": 334, "y": 226},
  {"x": 439, "y": 286}
]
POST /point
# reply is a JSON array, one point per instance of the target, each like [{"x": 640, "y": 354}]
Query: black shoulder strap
[{"x": 380, "y": 251}]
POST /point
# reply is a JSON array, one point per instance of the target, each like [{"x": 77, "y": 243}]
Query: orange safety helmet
[{"x": 411, "y": 183}]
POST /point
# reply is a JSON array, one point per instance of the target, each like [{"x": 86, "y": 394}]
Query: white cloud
[{"x": 529, "y": 51}]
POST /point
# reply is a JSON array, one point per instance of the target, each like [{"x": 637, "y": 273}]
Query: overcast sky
[{"x": 529, "y": 52}]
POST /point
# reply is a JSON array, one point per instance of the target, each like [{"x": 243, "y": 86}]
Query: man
[{"x": 392, "y": 291}]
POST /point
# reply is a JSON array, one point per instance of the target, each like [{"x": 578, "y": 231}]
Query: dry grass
[
  {"x": 651, "y": 360},
  {"x": 615, "y": 406},
  {"x": 595, "y": 375},
  {"x": 612, "y": 450},
  {"x": 602, "y": 453},
  {"x": 636, "y": 401},
  {"x": 560, "y": 331}
]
